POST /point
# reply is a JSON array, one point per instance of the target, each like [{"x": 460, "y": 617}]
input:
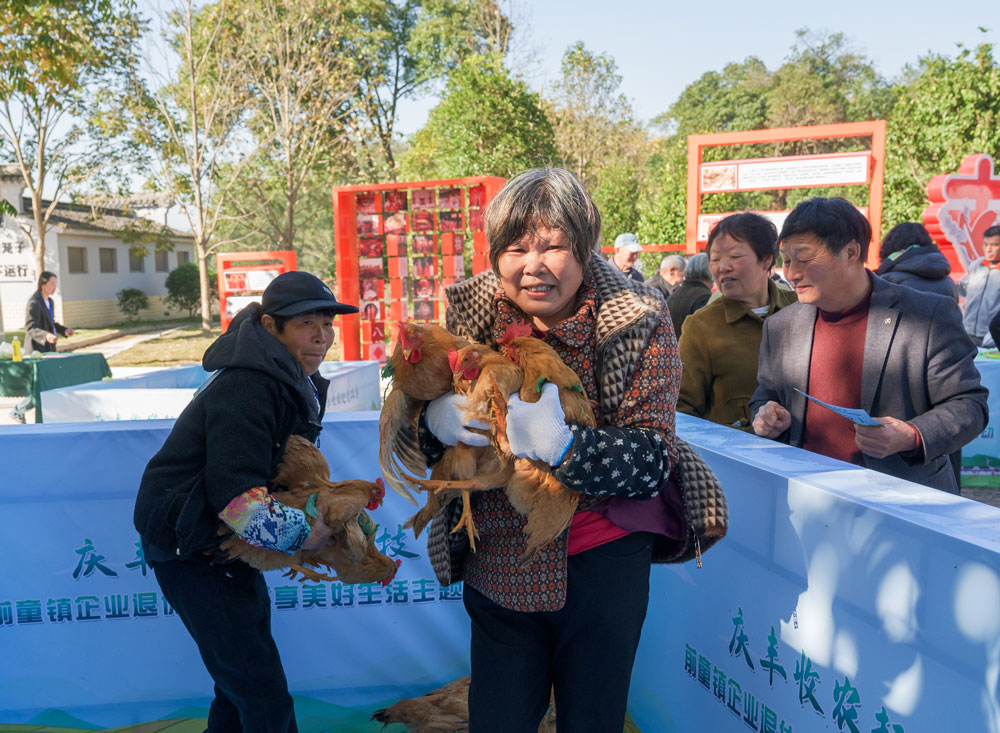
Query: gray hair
[
  {"x": 673, "y": 261},
  {"x": 550, "y": 197},
  {"x": 697, "y": 268}
]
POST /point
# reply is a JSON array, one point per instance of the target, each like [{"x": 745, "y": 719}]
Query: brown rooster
[
  {"x": 484, "y": 377},
  {"x": 352, "y": 552},
  {"x": 533, "y": 490},
  {"x": 443, "y": 709},
  {"x": 420, "y": 372}
]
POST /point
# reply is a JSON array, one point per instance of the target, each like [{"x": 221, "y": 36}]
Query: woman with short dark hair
[
  {"x": 720, "y": 343},
  {"x": 910, "y": 257},
  {"x": 569, "y": 620}
]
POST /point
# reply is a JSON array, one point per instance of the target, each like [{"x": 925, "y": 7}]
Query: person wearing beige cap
[{"x": 627, "y": 249}]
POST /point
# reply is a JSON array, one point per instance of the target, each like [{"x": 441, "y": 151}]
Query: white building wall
[
  {"x": 97, "y": 285},
  {"x": 17, "y": 286},
  {"x": 89, "y": 299}
]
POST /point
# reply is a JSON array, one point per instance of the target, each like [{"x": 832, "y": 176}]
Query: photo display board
[
  {"x": 783, "y": 173},
  {"x": 242, "y": 277},
  {"x": 398, "y": 246}
]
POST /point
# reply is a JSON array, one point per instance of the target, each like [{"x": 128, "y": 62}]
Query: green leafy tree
[
  {"x": 192, "y": 123},
  {"x": 948, "y": 109},
  {"x": 297, "y": 75},
  {"x": 131, "y": 301},
  {"x": 184, "y": 287},
  {"x": 487, "y": 123},
  {"x": 594, "y": 125},
  {"x": 403, "y": 47},
  {"x": 58, "y": 60},
  {"x": 617, "y": 198}
]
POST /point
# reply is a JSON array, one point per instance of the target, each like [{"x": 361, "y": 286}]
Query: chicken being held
[
  {"x": 443, "y": 709},
  {"x": 420, "y": 371},
  {"x": 351, "y": 552},
  {"x": 483, "y": 377},
  {"x": 533, "y": 490}
]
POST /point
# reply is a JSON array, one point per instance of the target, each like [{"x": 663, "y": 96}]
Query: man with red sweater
[{"x": 856, "y": 340}]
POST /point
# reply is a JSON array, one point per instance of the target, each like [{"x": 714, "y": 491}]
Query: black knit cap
[{"x": 294, "y": 293}]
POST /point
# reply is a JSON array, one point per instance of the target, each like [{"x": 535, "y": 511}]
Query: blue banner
[
  {"x": 842, "y": 599},
  {"x": 88, "y": 640}
]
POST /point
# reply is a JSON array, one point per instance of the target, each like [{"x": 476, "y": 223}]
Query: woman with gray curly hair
[{"x": 569, "y": 620}]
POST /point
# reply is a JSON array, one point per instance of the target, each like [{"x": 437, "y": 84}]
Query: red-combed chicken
[
  {"x": 533, "y": 490},
  {"x": 484, "y": 377},
  {"x": 444, "y": 709},
  {"x": 352, "y": 553},
  {"x": 420, "y": 372}
]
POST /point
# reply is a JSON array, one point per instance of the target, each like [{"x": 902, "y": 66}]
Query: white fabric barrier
[
  {"x": 842, "y": 599},
  {"x": 354, "y": 386}
]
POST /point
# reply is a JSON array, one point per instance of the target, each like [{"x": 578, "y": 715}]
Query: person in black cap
[{"x": 215, "y": 468}]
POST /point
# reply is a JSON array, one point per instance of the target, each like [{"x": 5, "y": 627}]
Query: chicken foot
[
  {"x": 465, "y": 520},
  {"x": 307, "y": 574}
]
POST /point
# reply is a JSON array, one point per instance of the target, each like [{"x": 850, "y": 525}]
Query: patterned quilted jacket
[{"x": 621, "y": 344}]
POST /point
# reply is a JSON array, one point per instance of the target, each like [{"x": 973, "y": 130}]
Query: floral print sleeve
[
  {"x": 615, "y": 461},
  {"x": 261, "y": 521}
]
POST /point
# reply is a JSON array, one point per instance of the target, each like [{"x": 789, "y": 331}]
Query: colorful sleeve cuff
[{"x": 261, "y": 521}]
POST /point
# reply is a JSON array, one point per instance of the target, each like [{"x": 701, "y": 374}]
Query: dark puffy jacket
[
  {"x": 921, "y": 268},
  {"x": 229, "y": 439}
]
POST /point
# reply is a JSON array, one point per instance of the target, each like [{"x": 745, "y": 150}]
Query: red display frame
[
  {"x": 870, "y": 128},
  {"x": 356, "y": 333},
  {"x": 228, "y": 264}
]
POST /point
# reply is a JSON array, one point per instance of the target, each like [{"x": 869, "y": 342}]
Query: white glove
[
  {"x": 538, "y": 430},
  {"x": 446, "y": 419}
]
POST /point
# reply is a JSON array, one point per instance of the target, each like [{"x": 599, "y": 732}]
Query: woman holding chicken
[
  {"x": 569, "y": 619},
  {"x": 212, "y": 478}
]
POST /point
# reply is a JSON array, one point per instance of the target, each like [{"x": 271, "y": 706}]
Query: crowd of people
[{"x": 893, "y": 342}]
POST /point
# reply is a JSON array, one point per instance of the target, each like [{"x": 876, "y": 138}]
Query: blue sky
[{"x": 661, "y": 47}]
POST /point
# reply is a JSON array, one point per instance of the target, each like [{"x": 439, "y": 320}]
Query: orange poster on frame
[{"x": 242, "y": 277}]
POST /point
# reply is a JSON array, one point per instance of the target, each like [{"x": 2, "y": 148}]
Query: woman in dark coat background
[
  {"x": 41, "y": 331},
  {"x": 910, "y": 257}
]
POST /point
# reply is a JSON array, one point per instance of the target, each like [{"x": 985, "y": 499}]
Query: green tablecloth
[{"x": 34, "y": 376}]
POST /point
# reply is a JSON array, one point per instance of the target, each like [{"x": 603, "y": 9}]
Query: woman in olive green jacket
[{"x": 720, "y": 343}]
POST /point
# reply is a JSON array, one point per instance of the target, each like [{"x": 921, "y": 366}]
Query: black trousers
[
  {"x": 227, "y": 611},
  {"x": 584, "y": 651}
]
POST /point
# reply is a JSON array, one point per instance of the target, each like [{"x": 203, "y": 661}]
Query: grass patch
[{"x": 183, "y": 346}]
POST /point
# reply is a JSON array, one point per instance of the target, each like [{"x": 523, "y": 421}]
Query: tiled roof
[{"x": 103, "y": 218}]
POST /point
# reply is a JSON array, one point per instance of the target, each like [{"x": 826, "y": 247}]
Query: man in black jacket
[
  {"x": 215, "y": 468},
  {"x": 41, "y": 331}
]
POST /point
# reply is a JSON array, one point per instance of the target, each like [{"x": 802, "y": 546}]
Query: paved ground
[{"x": 987, "y": 496}]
